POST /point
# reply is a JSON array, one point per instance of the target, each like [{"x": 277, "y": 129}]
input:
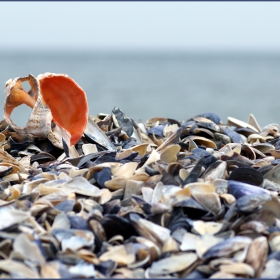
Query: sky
[{"x": 140, "y": 25}]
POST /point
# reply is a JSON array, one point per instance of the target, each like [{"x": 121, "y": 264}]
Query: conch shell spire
[{"x": 59, "y": 106}]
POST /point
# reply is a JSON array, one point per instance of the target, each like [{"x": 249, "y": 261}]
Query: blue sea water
[{"x": 157, "y": 84}]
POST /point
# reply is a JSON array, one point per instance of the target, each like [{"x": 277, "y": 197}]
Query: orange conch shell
[{"x": 59, "y": 105}]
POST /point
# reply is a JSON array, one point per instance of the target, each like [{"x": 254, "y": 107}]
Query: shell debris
[{"x": 106, "y": 197}]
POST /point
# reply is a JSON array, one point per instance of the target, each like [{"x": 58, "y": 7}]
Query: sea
[{"x": 177, "y": 85}]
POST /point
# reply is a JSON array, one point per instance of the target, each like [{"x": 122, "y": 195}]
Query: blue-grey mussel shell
[
  {"x": 239, "y": 189},
  {"x": 248, "y": 197},
  {"x": 227, "y": 247}
]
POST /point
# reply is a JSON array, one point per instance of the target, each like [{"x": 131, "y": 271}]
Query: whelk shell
[{"x": 59, "y": 106}]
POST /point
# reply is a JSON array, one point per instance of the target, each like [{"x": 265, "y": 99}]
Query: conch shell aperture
[{"x": 59, "y": 104}]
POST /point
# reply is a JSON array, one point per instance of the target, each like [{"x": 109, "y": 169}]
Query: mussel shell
[
  {"x": 106, "y": 268},
  {"x": 116, "y": 225},
  {"x": 178, "y": 220},
  {"x": 121, "y": 120},
  {"x": 191, "y": 207},
  {"x": 82, "y": 160},
  {"x": 246, "y": 175},
  {"x": 77, "y": 222},
  {"x": 106, "y": 157},
  {"x": 195, "y": 173},
  {"x": 196, "y": 275},
  {"x": 235, "y": 137},
  {"x": 275, "y": 162},
  {"x": 7, "y": 171},
  {"x": 274, "y": 255},
  {"x": 168, "y": 179},
  {"x": 237, "y": 159},
  {"x": 239, "y": 189},
  {"x": 19, "y": 146},
  {"x": 200, "y": 152},
  {"x": 112, "y": 207},
  {"x": 102, "y": 176},
  {"x": 246, "y": 131},
  {"x": 129, "y": 143},
  {"x": 90, "y": 139},
  {"x": 42, "y": 158},
  {"x": 211, "y": 116},
  {"x": 227, "y": 247},
  {"x": 157, "y": 130},
  {"x": 251, "y": 202},
  {"x": 209, "y": 125},
  {"x": 265, "y": 169},
  {"x": 150, "y": 171},
  {"x": 65, "y": 206}
]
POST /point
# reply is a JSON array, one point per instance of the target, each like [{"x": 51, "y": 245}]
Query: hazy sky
[{"x": 140, "y": 25}]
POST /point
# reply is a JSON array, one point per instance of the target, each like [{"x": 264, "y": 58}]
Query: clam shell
[
  {"x": 257, "y": 254},
  {"x": 173, "y": 264},
  {"x": 18, "y": 269},
  {"x": 122, "y": 254}
]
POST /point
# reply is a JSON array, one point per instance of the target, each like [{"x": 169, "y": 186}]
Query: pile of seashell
[{"x": 109, "y": 197}]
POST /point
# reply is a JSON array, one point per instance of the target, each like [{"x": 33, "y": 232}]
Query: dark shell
[
  {"x": 194, "y": 174},
  {"x": 121, "y": 120},
  {"x": 130, "y": 158},
  {"x": 102, "y": 176},
  {"x": 191, "y": 207},
  {"x": 235, "y": 137},
  {"x": 238, "y": 158},
  {"x": 245, "y": 131},
  {"x": 112, "y": 207},
  {"x": 178, "y": 220},
  {"x": 42, "y": 157},
  {"x": 168, "y": 179},
  {"x": 201, "y": 131},
  {"x": 7, "y": 171},
  {"x": 173, "y": 121},
  {"x": 90, "y": 139},
  {"x": 107, "y": 157},
  {"x": 114, "y": 225},
  {"x": 106, "y": 268},
  {"x": 128, "y": 143},
  {"x": 19, "y": 146},
  {"x": 275, "y": 142},
  {"x": 82, "y": 160},
  {"x": 157, "y": 130},
  {"x": 150, "y": 171},
  {"x": 232, "y": 164},
  {"x": 200, "y": 152},
  {"x": 114, "y": 134},
  {"x": 246, "y": 175}
]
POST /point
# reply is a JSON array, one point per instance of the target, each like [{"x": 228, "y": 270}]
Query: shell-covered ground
[{"x": 197, "y": 198}]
